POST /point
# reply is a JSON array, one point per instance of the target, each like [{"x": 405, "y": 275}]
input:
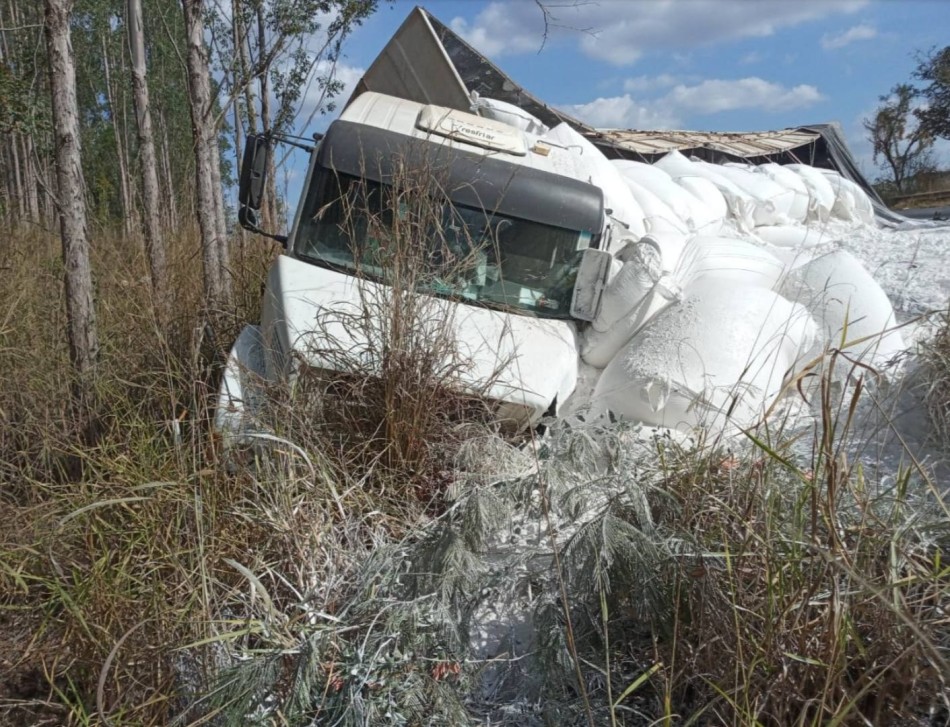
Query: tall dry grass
[
  {"x": 141, "y": 550},
  {"x": 117, "y": 525},
  {"x": 341, "y": 578},
  {"x": 936, "y": 358}
]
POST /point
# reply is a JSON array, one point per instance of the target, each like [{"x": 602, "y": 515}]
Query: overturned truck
[
  {"x": 507, "y": 244},
  {"x": 683, "y": 277}
]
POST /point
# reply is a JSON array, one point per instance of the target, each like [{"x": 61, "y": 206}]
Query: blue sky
[{"x": 727, "y": 65}]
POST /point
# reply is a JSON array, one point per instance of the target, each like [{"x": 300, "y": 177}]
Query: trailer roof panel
[{"x": 740, "y": 144}]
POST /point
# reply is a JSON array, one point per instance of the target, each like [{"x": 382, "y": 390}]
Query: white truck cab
[{"x": 514, "y": 314}]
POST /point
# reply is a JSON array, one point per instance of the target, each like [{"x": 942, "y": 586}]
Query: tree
[
  {"x": 24, "y": 116},
  {"x": 899, "y": 137},
  {"x": 205, "y": 140},
  {"x": 80, "y": 312},
  {"x": 272, "y": 56},
  {"x": 934, "y": 70},
  {"x": 148, "y": 169}
]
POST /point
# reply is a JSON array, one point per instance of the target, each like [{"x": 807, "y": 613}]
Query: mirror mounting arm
[{"x": 257, "y": 150}]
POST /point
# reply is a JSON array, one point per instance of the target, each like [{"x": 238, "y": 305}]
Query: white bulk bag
[
  {"x": 668, "y": 245},
  {"x": 615, "y": 267},
  {"x": 849, "y": 305},
  {"x": 773, "y": 202},
  {"x": 794, "y": 237},
  {"x": 844, "y": 207},
  {"x": 659, "y": 183},
  {"x": 729, "y": 261},
  {"x": 819, "y": 190},
  {"x": 628, "y": 287},
  {"x": 713, "y": 209},
  {"x": 590, "y": 165},
  {"x": 794, "y": 245},
  {"x": 507, "y": 113},
  {"x": 786, "y": 178},
  {"x": 741, "y": 206},
  {"x": 717, "y": 360},
  {"x": 852, "y": 202},
  {"x": 598, "y": 348},
  {"x": 657, "y": 215}
]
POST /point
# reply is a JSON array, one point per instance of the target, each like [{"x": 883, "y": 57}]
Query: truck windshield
[{"x": 366, "y": 228}]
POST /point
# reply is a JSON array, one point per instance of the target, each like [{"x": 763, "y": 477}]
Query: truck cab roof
[{"x": 480, "y": 162}]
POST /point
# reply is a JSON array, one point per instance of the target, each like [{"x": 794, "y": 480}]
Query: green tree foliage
[
  {"x": 899, "y": 137},
  {"x": 933, "y": 69},
  {"x": 292, "y": 44},
  {"x": 104, "y": 96},
  {"x": 25, "y": 112},
  {"x": 296, "y": 43},
  {"x": 16, "y": 110},
  {"x": 276, "y": 61}
]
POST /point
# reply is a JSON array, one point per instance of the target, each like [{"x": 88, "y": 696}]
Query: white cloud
[
  {"x": 751, "y": 58},
  {"x": 643, "y": 84},
  {"x": 714, "y": 96},
  {"x": 309, "y": 117},
  {"x": 503, "y": 29},
  {"x": 840, "y": 40},
  {"x": 620, "y": 32},
  {"x": 683, "y": 101},
  {"x": 622, "y": 112}
]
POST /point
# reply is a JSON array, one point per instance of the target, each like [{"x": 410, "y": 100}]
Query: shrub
[
  {"x": 625, "y": 579},
  {"x": 936, "y": 360}
]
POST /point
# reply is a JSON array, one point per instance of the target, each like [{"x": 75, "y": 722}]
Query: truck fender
[{"x": 241, "y": 394}]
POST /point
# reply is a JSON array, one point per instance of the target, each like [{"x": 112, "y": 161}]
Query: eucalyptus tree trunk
[
  {"x": 220, "y": 220},
  {"x": 244, "y": 63},
  {"x": 171, "y": 210},
  {"x": 80, "y": 311},
  {"x": 8, "y": 191},
  {"x": 31, "y": 173},
  {"x": 271, "y": 205},
  {"x": 199, "y": 96},
  {"x": 125, "y": 195},
  {"x": 16, "y": 178},
  {"x": 151, "y": 226},
  {"x": 238, "y": 78}
]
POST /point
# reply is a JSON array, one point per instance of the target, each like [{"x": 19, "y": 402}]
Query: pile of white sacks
[{"x": 726, "y": 283}]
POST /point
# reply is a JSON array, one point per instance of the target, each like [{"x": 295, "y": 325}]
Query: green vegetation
[{"x": 905, "y": 126}]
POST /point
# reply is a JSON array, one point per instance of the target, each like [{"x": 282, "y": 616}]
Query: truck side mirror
[
  {"x": 590, "y": 283},
  {"x": 251, "y": 184}
]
